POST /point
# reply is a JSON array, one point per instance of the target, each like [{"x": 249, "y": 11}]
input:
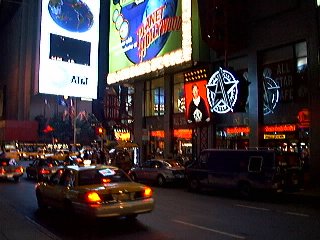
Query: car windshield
[
  {"x": 104, "y": 175},
  {"x": 172, "y": 163}
]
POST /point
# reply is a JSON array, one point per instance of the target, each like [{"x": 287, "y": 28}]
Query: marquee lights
[
  {"x": 171, "y": 59},
  {"x": 197, "y": 74}
]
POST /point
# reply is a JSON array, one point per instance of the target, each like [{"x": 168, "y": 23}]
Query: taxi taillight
[
  {"x": 147, "y": 192},
  {"x": 92, "y": 197},
  {"x": 106, "y": 180},
  {"x": 19, "y": 170},
  {"x": 44, "y": 171}
]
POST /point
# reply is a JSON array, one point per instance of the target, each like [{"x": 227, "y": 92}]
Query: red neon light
[
  {"x": 182, "y": 133},
  {"x": 280, "y": 128},
  {"x": 235, "y": 130},
  {"x": 159, "y": 134}
]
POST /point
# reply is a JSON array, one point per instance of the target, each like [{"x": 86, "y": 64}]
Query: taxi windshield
[{"x": 97, "y": 176}]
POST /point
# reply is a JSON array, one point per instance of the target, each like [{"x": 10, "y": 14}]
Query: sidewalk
[{"x": 15, "y": 226}]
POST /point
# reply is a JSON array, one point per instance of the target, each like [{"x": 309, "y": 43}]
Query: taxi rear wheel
[
  {"x": 68, "y": 207},
  {"x": 41, "y": 204},
  {"x": 16, "y": 179}
]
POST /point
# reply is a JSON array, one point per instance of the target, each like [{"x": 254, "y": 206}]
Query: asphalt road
[{"x": 179, "y": 214}]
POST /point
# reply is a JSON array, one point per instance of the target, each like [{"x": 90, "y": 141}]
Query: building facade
[{"x": 280, "y": 65}]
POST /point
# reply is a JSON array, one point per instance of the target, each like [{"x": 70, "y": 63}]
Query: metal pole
[{"x": 75, "y": 123}]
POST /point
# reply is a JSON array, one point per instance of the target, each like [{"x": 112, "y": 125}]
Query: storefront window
[
  {"x": 154, "y": 102},
  {"x": 285, "y": 98},
  {"x": 178, "y": 94}
]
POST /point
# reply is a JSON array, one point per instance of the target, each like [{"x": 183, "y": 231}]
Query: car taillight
[
  {"x": 19, "y": 170},
  {"x": 2, "y": 171},
  {"x": 106, "y": 180},
  {"x": 147, "y": 192},
  {"x": 44, "y": 171},
  {"x": 4, "y": 164},
  {"x": 92, "y": 197}
]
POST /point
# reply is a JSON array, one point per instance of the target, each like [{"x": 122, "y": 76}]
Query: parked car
[
  {"x": 10, "y": 169},
  {"x": 40, "y": 169},
  {"x": 160, "y": 171},
  {"x": 242, "y": 170},
  {"x": 96, "y": 191}
]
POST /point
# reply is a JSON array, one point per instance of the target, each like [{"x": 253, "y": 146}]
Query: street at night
[{"x": 178, "y": 214}]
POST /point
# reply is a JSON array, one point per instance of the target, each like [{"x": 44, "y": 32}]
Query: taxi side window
[
  {"x": 67, "y": 179},
  {"x": 55, "y": 178}
]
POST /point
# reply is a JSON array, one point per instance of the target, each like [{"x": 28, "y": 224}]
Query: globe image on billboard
[
  {"x": 73, "y": 16},
  {"x": 137, "y": 17}
]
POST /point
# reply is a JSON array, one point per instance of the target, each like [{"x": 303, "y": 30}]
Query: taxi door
[{"x": 58, "y": 186}]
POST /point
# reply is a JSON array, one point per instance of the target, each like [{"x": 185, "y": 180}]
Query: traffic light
[{"x": 100, "y": 131}]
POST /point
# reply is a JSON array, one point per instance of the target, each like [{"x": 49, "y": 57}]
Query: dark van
[{"x": 243, "y": 170}]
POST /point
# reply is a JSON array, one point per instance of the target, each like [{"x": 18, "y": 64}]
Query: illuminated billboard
[
  {"x": 147, "y": 35},
  {"x": 69, "y": 48},
  {"x": 197, "y": 106}
]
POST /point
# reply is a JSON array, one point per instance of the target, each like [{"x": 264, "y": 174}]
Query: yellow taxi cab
[
  {"x": 9, "y": 168},
  {"x": 97, "y": 191}
]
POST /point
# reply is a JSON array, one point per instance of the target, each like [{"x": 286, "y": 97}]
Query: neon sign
[
  {"x": 182, "y": 133},
  {"x": 222, "y": 91},
  {"x": 237, "y": 130},
  {"x": 271, "y": 92},
  {"x": 147, "y": 36},
  {"x": 280, "y": 128},
  {"x": 159, "y": 134}
]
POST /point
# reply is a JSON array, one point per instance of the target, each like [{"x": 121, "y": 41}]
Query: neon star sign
[
  {"x": 222, "y": 91},
  {"x": 270, "y": 92}
]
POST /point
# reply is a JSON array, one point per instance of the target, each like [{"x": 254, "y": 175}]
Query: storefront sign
[
  {"x": 222, "y": 91},
  {"x": 277, "y": 136},
  {"x": 304, "y": 117},
  {"x": 122, "y": 134},
  {"x": 280, "y": 128}
]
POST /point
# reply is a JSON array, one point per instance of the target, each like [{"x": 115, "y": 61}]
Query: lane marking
[
  {"x": 266, "y": 209},
  {"x": 252, "y": 207},
  {"x": 297, "y": 214},
  {"x": 210, "y": 229}
]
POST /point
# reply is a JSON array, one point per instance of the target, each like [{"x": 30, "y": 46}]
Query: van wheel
[
  {"x": 161, "y": 181},
  {"x": 245, "y": 190},
  {"x": 194, "y": 185}
]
